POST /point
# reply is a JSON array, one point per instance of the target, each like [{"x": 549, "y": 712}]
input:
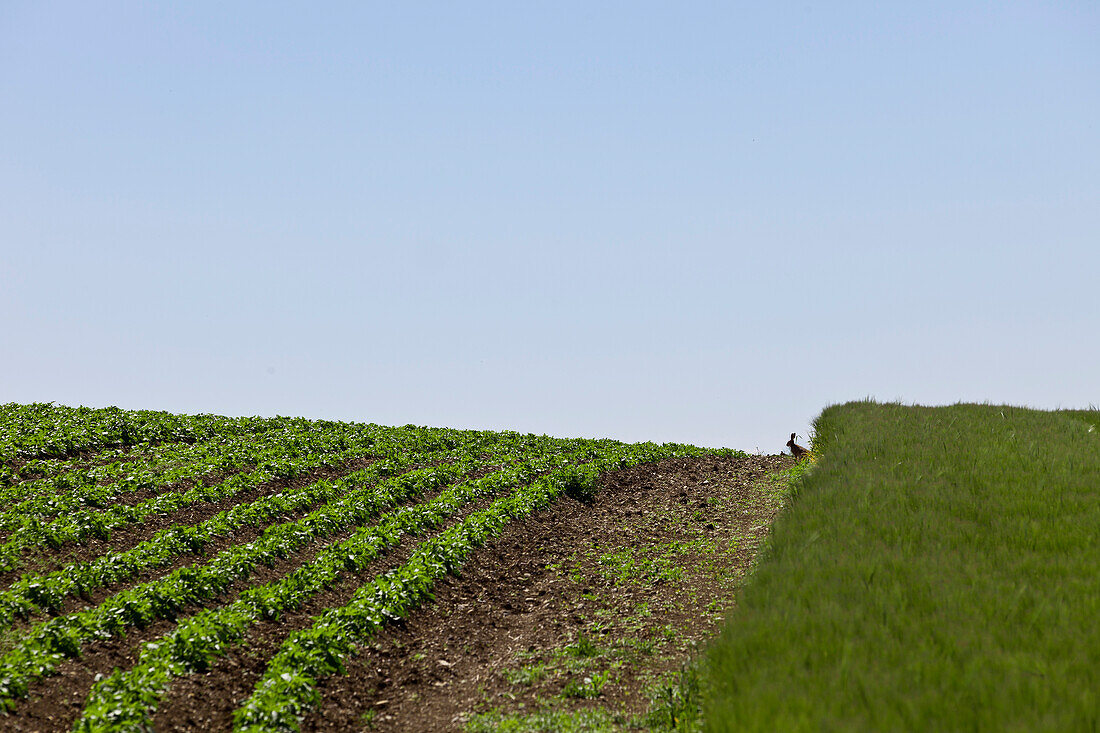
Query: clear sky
[{"x": 689, "y": 221}]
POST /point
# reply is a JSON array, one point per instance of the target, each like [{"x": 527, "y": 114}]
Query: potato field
[{"x": 172, "y": 572}]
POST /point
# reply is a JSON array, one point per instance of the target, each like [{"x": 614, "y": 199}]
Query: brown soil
[
  {"x": 619, "y": 591},
  {"x": 527, "y": 598},
  {"x": 190, "y": 706},
  {"x": 238, "y": 537},
  {"x": 55, "y": 702},
  {"x": 59, "y": 699}
]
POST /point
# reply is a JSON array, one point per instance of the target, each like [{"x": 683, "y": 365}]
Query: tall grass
[{"x": 938, "y": 569}]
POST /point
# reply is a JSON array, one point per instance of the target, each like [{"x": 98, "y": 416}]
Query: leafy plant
[{"x": 586, "y": 687}]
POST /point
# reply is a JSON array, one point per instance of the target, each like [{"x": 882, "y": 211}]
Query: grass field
[{"x": 938, "y": 569}]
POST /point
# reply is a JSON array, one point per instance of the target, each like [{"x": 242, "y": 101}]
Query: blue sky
[{"x": 699, "y": 222}]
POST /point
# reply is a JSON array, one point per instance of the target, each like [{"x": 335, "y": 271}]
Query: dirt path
[{"x": 581, "y": 612}]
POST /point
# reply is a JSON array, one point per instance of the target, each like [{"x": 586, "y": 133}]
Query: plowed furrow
[
  {"x": 514, "y": 598},
  {"x": 189, "y": 705},
  {"x": 241, "y": 536},
  {"x": 60, "y": 698}
]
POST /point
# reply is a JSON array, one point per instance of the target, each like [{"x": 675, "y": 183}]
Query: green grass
[
  {"x": 938, "y": 569},
  {"x": 550, "y": 721}
]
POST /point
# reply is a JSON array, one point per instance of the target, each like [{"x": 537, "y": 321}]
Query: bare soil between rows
[
  {"x": 524, "y": 601},
  {"x": 636, "y": 580}
]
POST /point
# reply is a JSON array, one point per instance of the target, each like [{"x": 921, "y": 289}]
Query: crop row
[
  {"x": 288, "y": 688},
  {"x": 64, "y": 475},
  {"x": 50, "y": 642},
  {"x": 90, "y": 488},
  {"x": 299, "y": 458},
  {"x": 48, "y": 592},
  {"x": 44, "y": 430},
  {"x": 115, "y": 466},
  {"x": 126, "y": 700},
  {"x": 49, "y": 475},
  {"x": 47, "y": 643}
]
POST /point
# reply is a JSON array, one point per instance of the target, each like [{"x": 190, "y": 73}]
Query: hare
[{"x": 796, "y": 450}]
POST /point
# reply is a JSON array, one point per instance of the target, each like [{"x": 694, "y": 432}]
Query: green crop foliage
[
  {"x": 68, "y": 475},
  {"x": 289, "y": 459},
  {"x": 132, "y": 696},
  {"x": 98, "y": 486},
  {"x": 394, "y": 455},
  {"x": 41, "y": 485},
  {"x": 289, "y": 686},
  {"x": 47, "y": 643},
  {"x": 43, "y": 431}
]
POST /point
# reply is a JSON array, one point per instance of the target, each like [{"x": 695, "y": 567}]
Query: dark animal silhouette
[{"x": 796, "y": 450}]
